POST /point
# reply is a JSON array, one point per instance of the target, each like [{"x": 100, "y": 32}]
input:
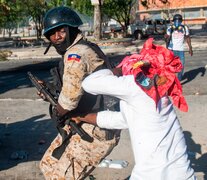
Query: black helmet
[
  {"x": 177, "y": 17},
  {"x": 60, "y": 16}
]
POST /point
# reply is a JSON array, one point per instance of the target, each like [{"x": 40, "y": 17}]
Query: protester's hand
[
  {"x": 76, "y": 119},
  {"x": 89, "y": 118}
]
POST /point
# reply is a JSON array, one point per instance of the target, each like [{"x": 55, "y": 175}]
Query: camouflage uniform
[{"x": 80, "y": 157}]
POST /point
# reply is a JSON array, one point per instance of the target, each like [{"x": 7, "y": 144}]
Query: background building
[{"x": 193, "y": 11}]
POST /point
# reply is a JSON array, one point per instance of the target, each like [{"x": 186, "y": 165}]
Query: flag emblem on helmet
[{"x": 74, "y": 57}]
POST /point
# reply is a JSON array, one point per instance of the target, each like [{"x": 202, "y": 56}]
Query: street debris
[{"x": 116, "y": 164}]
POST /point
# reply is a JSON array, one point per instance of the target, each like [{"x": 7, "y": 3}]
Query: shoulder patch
[{"x": 74, "y": 57}]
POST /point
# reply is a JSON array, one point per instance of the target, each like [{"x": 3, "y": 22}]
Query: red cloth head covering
[{"x": 163, "y": 63}]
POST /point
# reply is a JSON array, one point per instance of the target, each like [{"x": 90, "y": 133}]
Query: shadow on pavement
[
  {"x": 25, "y": 141},
  {"x": 190, "y": 75},
  {"x": 199, "y": 164},
  {"x": 17, "y": 78}
]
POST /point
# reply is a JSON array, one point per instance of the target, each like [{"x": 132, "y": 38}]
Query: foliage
[
  {"x": 10, "y": 14},
  {"x": 36, "y": 9},
  {"x": 119, "y": 10},
  {"x": 16, "y": 12},
  {"x": 83, "y": 6},
  {"x": 4, "y": 54}
]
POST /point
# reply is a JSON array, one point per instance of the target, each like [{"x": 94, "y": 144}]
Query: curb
[{"x": 119, "y": 46}]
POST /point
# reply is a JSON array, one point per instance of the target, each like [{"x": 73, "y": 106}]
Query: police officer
[
  {"x": 80, "y": 58},
  {"x": 176, "y": 35}
]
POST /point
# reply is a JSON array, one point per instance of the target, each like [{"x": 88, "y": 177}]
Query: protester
[
  {"x": 80, "y": 58},
  {"x": 157, "y": 138},
  {"x": 175, "y": 38}
]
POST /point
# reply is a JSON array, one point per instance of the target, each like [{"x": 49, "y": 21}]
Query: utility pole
[{"x": 97, "y": 18}]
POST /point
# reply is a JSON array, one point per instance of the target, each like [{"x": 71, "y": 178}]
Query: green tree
[
  {"x": 10, "y": 15},
  {"x": 119, "y": 10},
  {"x": 83, "y": 6},
  {"x": 36, "y": 9}
]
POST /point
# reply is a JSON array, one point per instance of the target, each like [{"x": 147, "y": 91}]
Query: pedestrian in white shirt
[{"x": 176, "y": 35}]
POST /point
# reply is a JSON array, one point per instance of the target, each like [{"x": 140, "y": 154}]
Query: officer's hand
[
  {"x": 39, "y": 93},
  {"x": 67, "y": 128}
]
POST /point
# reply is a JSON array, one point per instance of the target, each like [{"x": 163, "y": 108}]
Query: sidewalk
[{"x": 109, "y": 47}]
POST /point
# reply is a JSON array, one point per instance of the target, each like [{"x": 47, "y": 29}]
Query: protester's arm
[
  {"x": 111, "y": 120},
  {"x": 104, "y": 119},
  {"x": 88, "y": 118},
  {"x": 105, "y": 82}
]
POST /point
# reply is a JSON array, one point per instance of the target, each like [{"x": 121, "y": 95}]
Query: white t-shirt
[
  {"x": 156, "y": 135},
  {"x": 177, "y": 38}
]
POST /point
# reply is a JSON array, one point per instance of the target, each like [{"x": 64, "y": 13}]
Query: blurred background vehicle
[
  {"x": 115, "y": 28},
  {"x": 143, "y": 29}
]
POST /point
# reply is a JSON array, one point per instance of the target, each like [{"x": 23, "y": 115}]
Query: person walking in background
[
  {"x": 175, "y": 37},
  {"x": 77, "y": 157}
]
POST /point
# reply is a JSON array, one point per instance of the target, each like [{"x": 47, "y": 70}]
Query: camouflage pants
[{"x": 79, "y": 158}]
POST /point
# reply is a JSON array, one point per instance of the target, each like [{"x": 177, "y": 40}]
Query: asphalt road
[{"x": 25, "y": 126}]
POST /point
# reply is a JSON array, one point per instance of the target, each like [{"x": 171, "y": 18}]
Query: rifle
[
  {"x": 53, "y": 101},
  {"x": 42, "y": 89}
]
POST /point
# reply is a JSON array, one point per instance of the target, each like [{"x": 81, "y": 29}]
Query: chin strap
[{"x": 61, "y": 48}]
